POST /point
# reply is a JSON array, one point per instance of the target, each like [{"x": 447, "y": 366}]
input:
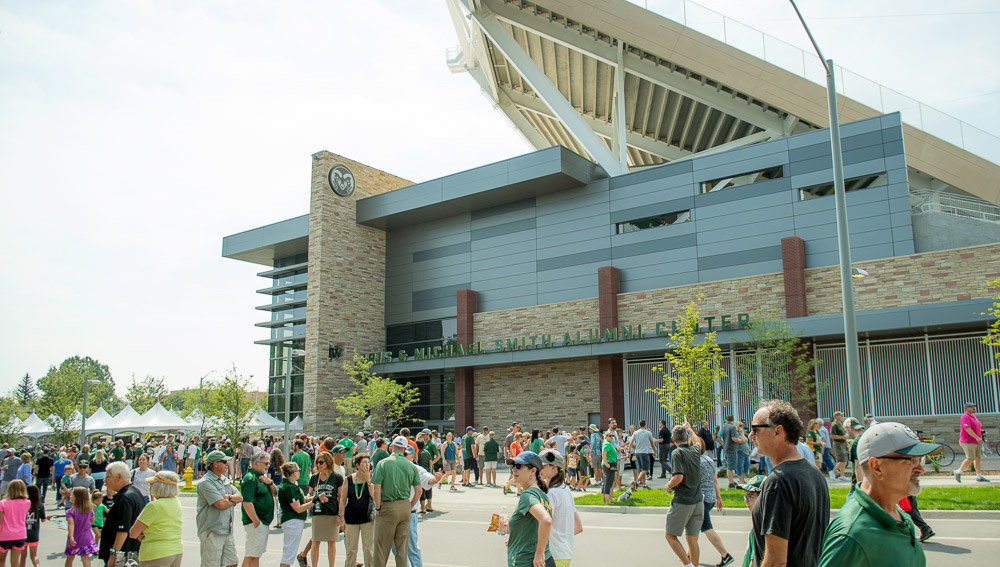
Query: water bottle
[
  {"x": 132, "y": 559},
  {"x": 120, "y": 559},
  {"x": 502, "y": 528}
]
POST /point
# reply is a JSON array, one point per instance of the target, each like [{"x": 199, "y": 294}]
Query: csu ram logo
[{"x": 341, "y": 180}]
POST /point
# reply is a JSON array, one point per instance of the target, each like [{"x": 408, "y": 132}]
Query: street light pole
[
  {"x": 83, "y": 416},
  {"x": 855, "y": 406},
  {"x": 288, "y": 396}
]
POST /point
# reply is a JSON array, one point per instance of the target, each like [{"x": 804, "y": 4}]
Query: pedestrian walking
[
  {"x": 43, "y": 472},
  {"x": 126, "y": 505},
  {"x": 663, "y": 448},
  {"x": 643, "y": 446},
  {"x": 214, "y": 513},
  {"x": 824, "y": 433},
  {"x": 391, "y": 483},
  {"x": 14, "y": 509},
  {"x": 294, "y": 511},
  {"x": 491, "y": 456},
  {"x": 686, "y": 509},
  {"x": 359, "y": 512},
  {"x": 566, "y": 522},
  {"x": 33, "y": 524},
  {"x": 530, "y": 525},
  {"x": 870, "y": 529},
  {"x": 258, "y": 492},
  {"x": 450, "y": 451},
  {"x": 24, "y": 469},
  {"x": 711, "y": 497},
  {"x": 794, "y": 505},
  {"x": 730, "y": 453},
  {"x": 470, "y": 463},
  {"x": 58, "y": 472},
  {"x": 159, "y": 524},
  {"x": 841, "y": 451},
  {"x": 970, "y": 437},
  {"x": 80, "y": 538},
  {"x": 609, "y": 465}
]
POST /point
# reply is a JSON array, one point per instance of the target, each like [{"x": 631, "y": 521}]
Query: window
[
  {"x": 853, "y": 184},
  {"x": 411, "y": 336},
  {"x": 666, "y": 219},
  {"x": 742, "y": 179}
]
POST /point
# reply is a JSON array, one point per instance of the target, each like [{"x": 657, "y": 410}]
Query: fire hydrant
[{"x": 188, "y": 475}]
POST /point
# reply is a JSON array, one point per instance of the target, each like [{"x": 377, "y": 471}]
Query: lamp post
[
  {"x": 855, "y": 406},
  {"x": 83, "y": 416},
  {"x": 288, "y": 395}
]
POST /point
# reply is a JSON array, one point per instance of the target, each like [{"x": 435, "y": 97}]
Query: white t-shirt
[
  {"x": 192, "y": 451},
  {"x": 560, "y": 441},
  {"x": 181, "y": 448},
  {"x": 425, "y": 483},
  {"x": 563, "y": 522},
  {"x": 140, "y": 480}
]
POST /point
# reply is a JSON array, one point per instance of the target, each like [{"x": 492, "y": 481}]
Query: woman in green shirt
[
  {"x": 294, "y": 507},
  {"x": 159, "y": 524},
  {"x": 535, "y": 446},
  {"x": 530, "y": 524}
]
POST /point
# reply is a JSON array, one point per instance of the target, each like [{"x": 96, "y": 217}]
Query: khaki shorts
[
  {"x": 448, "y": 465},
  {"x": 685, "y": 518},
  {"x": 217, "y": 550},
  {"x": 972, "y": 450},
  {"x": 256, "y": 539},
  {"x": 168, "y": 561},
  {"x": 840, "y": 452}
]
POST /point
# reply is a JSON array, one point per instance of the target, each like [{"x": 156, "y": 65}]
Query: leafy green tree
[
  {"x": 144, "y": 394},
  {"x": 993, "y": 337},
  {"x": 10, "y": 429},
  {"x": 779, "y": 360},
  {"x": 66, "y": 383},
  {"x": 687, "y": 392},
  {"x": 200, "y": 400},
  {"x": 382, "y": 400},
  {"x": 25, "y": 392},
  {"x": 231, "y": 407}
]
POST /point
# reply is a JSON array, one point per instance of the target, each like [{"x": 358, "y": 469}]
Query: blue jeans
[
  {"x": 412, "y": 551},
  {"x": 742, "y": 464},
  {"x": 828, "y": 464},
  {"x": 765, "y": 465}
]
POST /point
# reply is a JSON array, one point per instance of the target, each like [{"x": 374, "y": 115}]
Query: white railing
[
  {"x": 923, "y": 201},
  {"x": 806, "y": 65}
]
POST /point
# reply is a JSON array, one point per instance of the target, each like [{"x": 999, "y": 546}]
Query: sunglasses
[
  {"x": 518, "y": 466},
  {"x": 914, "y": 461},
  {"x": 755, "y": 426}
]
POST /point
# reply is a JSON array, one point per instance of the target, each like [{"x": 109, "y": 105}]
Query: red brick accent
[
  {"x": 610, "y": 378},
  {"x": 608, "y": 287},
  {"x": 465, "y": 383},
  {"x": 793, "y": 263}
]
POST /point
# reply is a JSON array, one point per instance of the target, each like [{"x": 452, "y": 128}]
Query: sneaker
[
  {"x": 958, "y": 475},
  {"x": 725, "y": 561},
  {"x": 981, "y": 478},
  {"x": 843, "y": 479},
  {"x": 833, "y": 476}
]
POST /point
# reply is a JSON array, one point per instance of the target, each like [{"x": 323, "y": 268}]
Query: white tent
[
  {"x": 127, "y": 420},
  {"x": 296, "y": 424},
  {"x": 159, "y": 418},
  {"x": 100, "y": 422},
  {"x": 35, "y": 427},
  {"x": 263, "y": 420}
]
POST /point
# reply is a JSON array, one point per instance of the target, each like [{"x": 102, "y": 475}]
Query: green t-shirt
[
  {"x": 837, "y": 429},
  {"x": 863, "y": 534},
  {"x": 536, "y": 445},
  {"x": 99, "y": 516},
  {"x": 396, "y": 475},
  {"x": 162, "y": 536},
  {"x": 302, "y": 459},
  {"x": 433, "y": 451},
  {"x": 228, "y": 451},
  {"x": 491, "y": 450},
  {"x": 257, "y": 493},
  {"x": 523, "y": 529},
  {"x": 377, "y": 456},
  {"x": 748, "y": 557},
  {"x": 288, "y": 493},
  {"x": 118, "y": 454},
  {"x": 467, "y": 442},
  {"x": 424, "y": 459},
  {"x": 609, "y": 451}
]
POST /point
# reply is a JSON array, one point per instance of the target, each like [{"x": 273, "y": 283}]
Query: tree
[
  {"x": 687, "y": 392},
  {"x": 779, "y": 360},
  {"x": 25, "y": 392},
  {"x": 382, "y": 400},
  {"x": 200, "y": 400},
  {"x": 10, "y": 428},
  {"x": 144, "y": 394},
  {"x": 992, "y": 338},
  {"x": 66, "y": 382},
  {"x": 232, "y": 408}
]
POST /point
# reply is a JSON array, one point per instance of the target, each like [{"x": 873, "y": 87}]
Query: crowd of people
[{"x": 120, "y": 498}]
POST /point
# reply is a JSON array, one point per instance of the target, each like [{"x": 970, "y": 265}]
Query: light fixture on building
[
  {"x": 858, "y": 273},
  {"x": 334, "y": 352}
]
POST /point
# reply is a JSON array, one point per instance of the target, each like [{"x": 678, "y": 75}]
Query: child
[
  {"x": 583, "y": 467},
  {"x": 572, "y": 462},
  {"x": 80, "y": 541},
  {"x": 65, "y": 490},
  {"x": 36, "y": 515},
  {"x": 97, "y": 499},
  {"x": 13, "y": 517}
]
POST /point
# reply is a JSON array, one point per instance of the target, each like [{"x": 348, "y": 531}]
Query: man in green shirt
[
  {"x": 258, "y": 493},
  {"x": 871, "y": 529},
  {"x": 380, "y": 452},
  {"x": 491, "y": 455},
  {"x": 609, "y": 461},
  {"x": 391, "y": 484},
  {"x": 118, "y": 452},
  {"x": 349, "y": 452},
  {"x": 301, "y": 458},
  {"x": 469, "y": 456}
]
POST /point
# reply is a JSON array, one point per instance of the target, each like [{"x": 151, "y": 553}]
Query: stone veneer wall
[
  {"x": 540, "y": 396},
  {"x": 946, "y": 429},
  {"x": 553, "y": 318},
  {"x": 765, "y": 293},
  {"x": 931, "y": 277},
  {"x": 346, "y": 287}
]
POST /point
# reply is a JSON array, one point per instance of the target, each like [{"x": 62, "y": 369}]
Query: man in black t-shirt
[
  {"x": 663, "y": 448},
  {"x": 125, "y": 508},
  {"x": 791, "y": 515},
  {"x": 43, "y": 473}
]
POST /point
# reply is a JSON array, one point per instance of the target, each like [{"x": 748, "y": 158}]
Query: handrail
[{"x": 922, "y": 201}]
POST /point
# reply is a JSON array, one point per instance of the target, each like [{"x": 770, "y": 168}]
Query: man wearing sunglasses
[
  {"x": 871, "y": 529},
  {"x": 794, "y": 504}
]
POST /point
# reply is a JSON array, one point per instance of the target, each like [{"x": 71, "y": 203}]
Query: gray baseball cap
[{"x": 888, "y": 437}]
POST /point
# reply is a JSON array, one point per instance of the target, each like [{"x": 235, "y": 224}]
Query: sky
[{"x": 135, "y": 135}]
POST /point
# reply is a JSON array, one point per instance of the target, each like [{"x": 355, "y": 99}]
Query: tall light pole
[
  {"x": 83, "y": 417},
  {"x": 855, "y": 406},
  {"x": 288, "y": 395}
]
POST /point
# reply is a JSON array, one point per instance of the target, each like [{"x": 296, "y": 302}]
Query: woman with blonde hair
[
  {"x": 814, "y": 440},
  {"x": 158, "y": 526}
]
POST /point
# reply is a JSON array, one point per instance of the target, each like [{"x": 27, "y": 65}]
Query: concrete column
[
  {"x": 793, "y": 263},
  {"x": 465, "y": 395},
  {"x": 610, "y": 378}
]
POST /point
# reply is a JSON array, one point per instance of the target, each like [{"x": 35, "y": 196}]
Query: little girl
[
  {"x": 572, "y": 464},
  {"x": 80, "y": 540},
  {"x": 13, "y": 515},
  {"x": 97, "y": 499}
]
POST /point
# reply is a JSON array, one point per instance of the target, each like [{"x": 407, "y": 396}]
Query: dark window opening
[
  {"x": 853, "y": 184},
  {"x": 676, "y": 217},
  {"x": 742, "y": 179},
  {"x": 411, "y": 336}
]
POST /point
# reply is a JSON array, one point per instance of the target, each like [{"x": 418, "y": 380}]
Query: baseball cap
[
  {"x": 891, "y": 437},
  {"x": 970, "y": 404},
  {"x": 425, "y": 431},
  {"x": 869, "y": 416},
  {"x": 529, "y": 458},
  {"x": 361, "y": 433},
  {"x": 470, "y": 428},
  {"x": 215, "y": 456},
  {"x": 593, "y": 427},
  {"x": 752, "y": 485},
  {"x": 551, "y": 457},
  {"x": 409, "y": 450},
  {"x": 853, "y": 423},
  {"x": 400, "y": 442},
  {"x": 338, "y": 449}
]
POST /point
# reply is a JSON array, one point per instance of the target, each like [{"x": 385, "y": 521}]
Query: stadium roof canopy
[{"x": 629, "y": 88}]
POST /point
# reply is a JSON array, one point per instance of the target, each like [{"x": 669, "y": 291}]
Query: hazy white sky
[{"x": 134, "y": 135}]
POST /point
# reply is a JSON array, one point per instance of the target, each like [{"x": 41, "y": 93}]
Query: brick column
[
  {"x": 465, "y": 397},
  {"x": 793, "y": 263},
  {"x": 609, "y": 368}
]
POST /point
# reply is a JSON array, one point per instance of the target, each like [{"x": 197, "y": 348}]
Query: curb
[{"x": 929, "y": 514}]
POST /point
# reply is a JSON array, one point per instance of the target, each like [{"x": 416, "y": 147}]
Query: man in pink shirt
[{"x": 970, "y": 437}]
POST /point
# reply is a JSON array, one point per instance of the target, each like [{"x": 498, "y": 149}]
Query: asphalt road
[{"x": 456, "y": 536}]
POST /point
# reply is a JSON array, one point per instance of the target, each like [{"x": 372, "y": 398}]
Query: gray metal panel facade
[{"x": 547, "y": 248}]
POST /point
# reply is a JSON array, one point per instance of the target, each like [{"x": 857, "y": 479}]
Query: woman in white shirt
[
  {"x": 566, "y": 522},
  {"x": 141, "y": 476}
]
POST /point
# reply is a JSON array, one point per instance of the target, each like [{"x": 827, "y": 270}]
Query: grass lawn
[{"x": 932, "y": 498}]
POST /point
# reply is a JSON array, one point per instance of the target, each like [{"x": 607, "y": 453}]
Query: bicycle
[
  {"x": 987, "y": 452},
  {"x": 941, "y": 459}
]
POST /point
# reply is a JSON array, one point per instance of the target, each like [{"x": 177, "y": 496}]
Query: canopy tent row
[{"x": 35, "y": 427}]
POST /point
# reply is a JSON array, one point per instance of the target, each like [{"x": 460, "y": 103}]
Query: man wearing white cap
[
  {"x": 393, "y": 478},
  {"x": 871, "y": 529}
]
